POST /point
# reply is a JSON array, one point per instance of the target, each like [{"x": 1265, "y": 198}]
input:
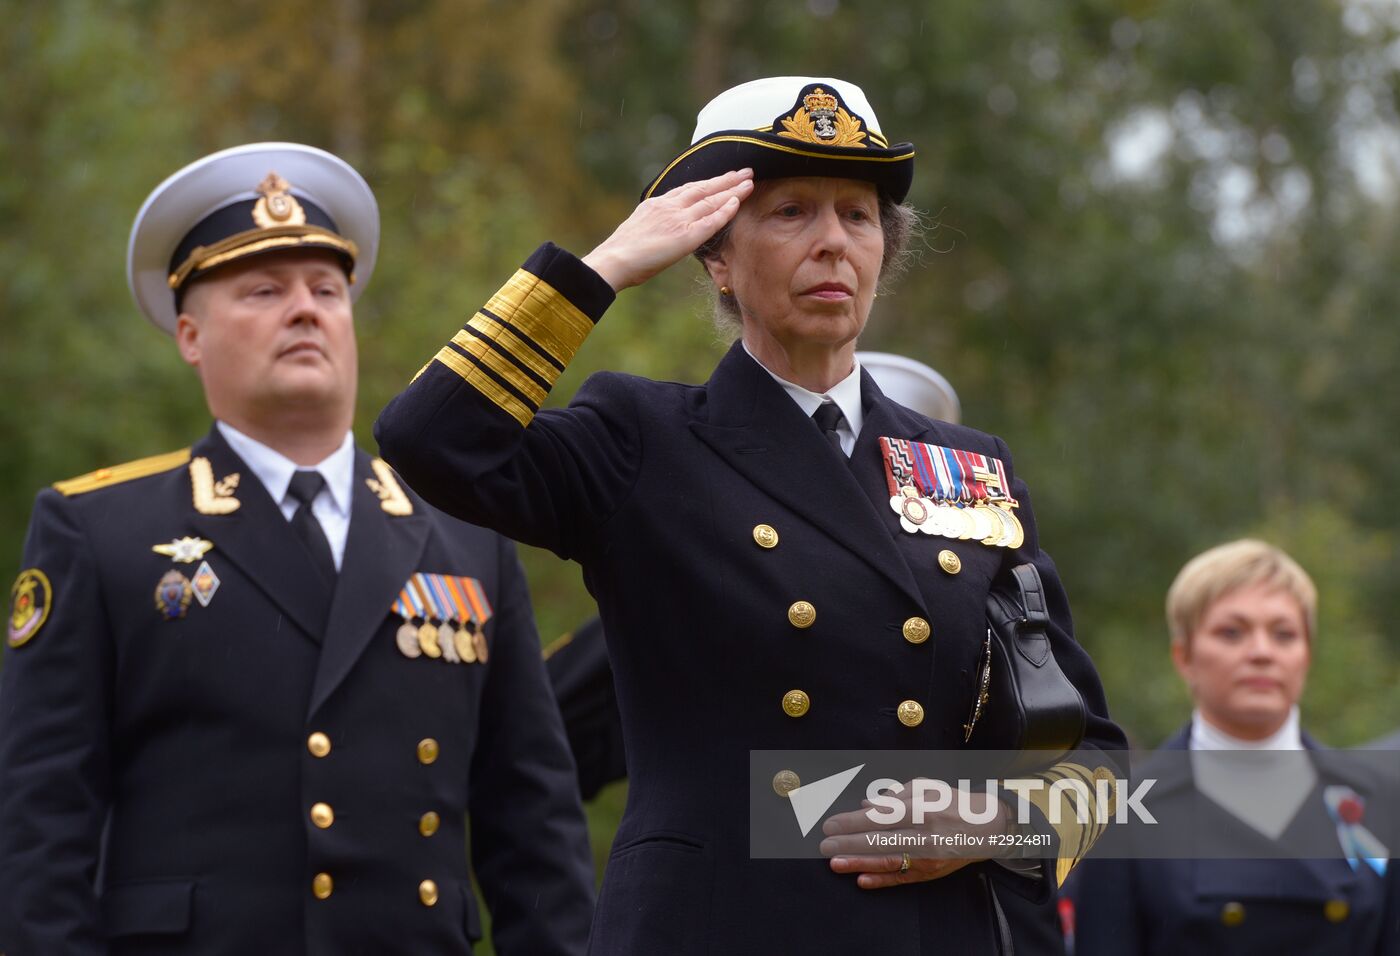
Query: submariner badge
[
  {"x": 30, "y": 601},
  {"x": 173, "y": 595},
  {"x": 204, "y": 583},
  {"x": 184, "y": 550}
]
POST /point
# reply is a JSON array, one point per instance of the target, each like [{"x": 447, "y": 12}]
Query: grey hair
[{"x": 901, "y": 223}]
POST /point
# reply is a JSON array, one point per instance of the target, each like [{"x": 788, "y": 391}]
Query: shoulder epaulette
[
  {"x": 116, "y": 474},
  {"x": 557, "y": 645}
]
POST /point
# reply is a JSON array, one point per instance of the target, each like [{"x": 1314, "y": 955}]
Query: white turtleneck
[{"x": 1264, "y": 791}]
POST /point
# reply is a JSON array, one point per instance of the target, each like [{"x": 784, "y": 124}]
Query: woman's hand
[
  {"x": 853, "y": 843},
  {"x": 665, "y": 229}
]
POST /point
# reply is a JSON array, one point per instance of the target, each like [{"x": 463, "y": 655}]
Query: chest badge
[
  {"x": 184, "y": 550},
  {"x": 173, "y": 595}
]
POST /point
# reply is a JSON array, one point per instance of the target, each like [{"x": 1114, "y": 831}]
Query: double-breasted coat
[
  {"x": 268, "y": 773},
  {"x": 1183, "y": 907},
  {"x": 701, "y": 514}
]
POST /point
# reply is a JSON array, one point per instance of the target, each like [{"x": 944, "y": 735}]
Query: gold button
[
  {"x": 321, "y": 886},
  {"x": 322, "y": 815},
  {"x": 796, "y": 703},
  {"x": 916, "y": 630},
  {"x": 911, "y": 713},
  {"x": 319, "y": 744},
  {"x": 428, "y": 823},
  {"x": 949, "y": 561},
  {"x": 802, "y": 614},
  {"x": 1232, "y": 914},
  {"x": 765, "y": 535},
  {"x": 785, "y": 782},
  {"x": 427, "y": 892},
  {"x": 1336, "y": 910},
  {"x": 427, "y": 750}
]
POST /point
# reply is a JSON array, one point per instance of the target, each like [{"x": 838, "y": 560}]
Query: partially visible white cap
[
  {"x": 912, "y": 384},
  {"x": 755, "y": 104}
]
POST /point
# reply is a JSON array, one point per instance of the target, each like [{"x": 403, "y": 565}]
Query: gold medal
[
  {"x": 466, "y": 647},
  {"x": 479, "y": 642},
  {"x": 407, "y": 639},
  {"x": 994, "y": 526},
  {"x": 1018, "y": 537},
  {"x": 427, "y": 639},
  {"x": 955, "y": 523},
  {"x": 981, "y": 524},
  {"x": 446, "y": 641},
  {"x": 1004, "y": 530}
]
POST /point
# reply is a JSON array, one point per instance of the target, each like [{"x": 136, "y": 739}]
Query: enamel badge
[
  {"x": 30, "y": 601},
  {"x": 173, "y": 595}
]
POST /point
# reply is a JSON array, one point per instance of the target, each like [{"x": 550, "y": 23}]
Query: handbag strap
[{"x": 1032, "y": 594}]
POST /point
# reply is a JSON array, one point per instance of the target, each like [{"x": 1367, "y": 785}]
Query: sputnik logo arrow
[{"x": 810, "y": 802}]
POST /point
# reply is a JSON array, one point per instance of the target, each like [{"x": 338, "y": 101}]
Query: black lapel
[
  {"x": 381, "y": 553},
  {"x": 258, "y": 538},
  {"x": 882, "y": 418},
  {"x": 762, "y": 434}
]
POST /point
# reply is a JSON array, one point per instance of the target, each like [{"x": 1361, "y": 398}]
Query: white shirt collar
[
  {"x": 845, "y": 393},
  {"x": 274, "y": 469},
  {"x": 1206, "y": 736}
]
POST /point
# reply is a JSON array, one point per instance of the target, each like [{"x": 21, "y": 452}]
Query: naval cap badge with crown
[{"x": 821, "y": 118}]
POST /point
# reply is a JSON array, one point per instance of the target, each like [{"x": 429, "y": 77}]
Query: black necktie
[
  {"x": 304, "y": 487},
  {"x": 828, "y": 416}
]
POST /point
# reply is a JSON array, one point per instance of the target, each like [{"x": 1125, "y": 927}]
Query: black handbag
[{"x": 1024, "y": 701}]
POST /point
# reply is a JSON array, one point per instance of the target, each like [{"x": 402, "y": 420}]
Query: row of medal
[
  {"x": 452, "y": 612},
  {"x": 951, "y": 493},
  {"x": 994, "y": 525}
]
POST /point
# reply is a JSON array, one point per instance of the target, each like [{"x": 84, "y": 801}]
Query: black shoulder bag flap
[{"x": 1024, "y": 701}]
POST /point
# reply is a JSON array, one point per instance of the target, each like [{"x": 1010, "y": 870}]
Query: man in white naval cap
[{"x": 255, "y": 689}]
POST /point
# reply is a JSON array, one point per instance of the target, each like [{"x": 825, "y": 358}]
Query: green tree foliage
[{"x": 1160, "y": 262}]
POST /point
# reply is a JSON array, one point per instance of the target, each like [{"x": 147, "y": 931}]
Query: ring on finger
[{"x": 904, "y": 862}]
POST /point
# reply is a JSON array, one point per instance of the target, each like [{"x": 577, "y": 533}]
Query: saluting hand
[{"x": 665, "y": 229}]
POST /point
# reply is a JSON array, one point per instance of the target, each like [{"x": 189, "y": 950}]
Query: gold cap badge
[
  {"x": 277, "y": 207},
  {"x": 822, "y": 119}
]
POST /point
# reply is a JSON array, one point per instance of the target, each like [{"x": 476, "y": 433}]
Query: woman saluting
[{"x": 757, "y": 588}]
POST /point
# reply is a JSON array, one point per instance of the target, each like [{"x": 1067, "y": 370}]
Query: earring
[{"x": 724, "y": 290}]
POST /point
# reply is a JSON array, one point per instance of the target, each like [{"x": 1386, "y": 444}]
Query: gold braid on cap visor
[{"x": 258, "y": 240}]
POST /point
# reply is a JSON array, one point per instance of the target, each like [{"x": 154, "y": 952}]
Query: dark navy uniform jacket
[
  {"x": 1267, "y": 906},
  {"x": 657, "y": 490},
  {"x": 157, "y": 777}
]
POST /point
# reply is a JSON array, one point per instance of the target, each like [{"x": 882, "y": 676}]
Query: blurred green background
[{"x": 1163, "y": 266}]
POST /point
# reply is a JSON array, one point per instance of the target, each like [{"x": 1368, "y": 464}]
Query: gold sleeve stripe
[
  {"x": 557, "y": 645},
  {"x": 103, "y": 477},
  {"x": 505, "y": 369},
  {"x": 538, "y": 350},
  {"x": 1076, "y": 838},
  {"x": 507, "y": 341},
  {"x": 477, "y": 378},
  {"x": 540, "y": 313}
]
